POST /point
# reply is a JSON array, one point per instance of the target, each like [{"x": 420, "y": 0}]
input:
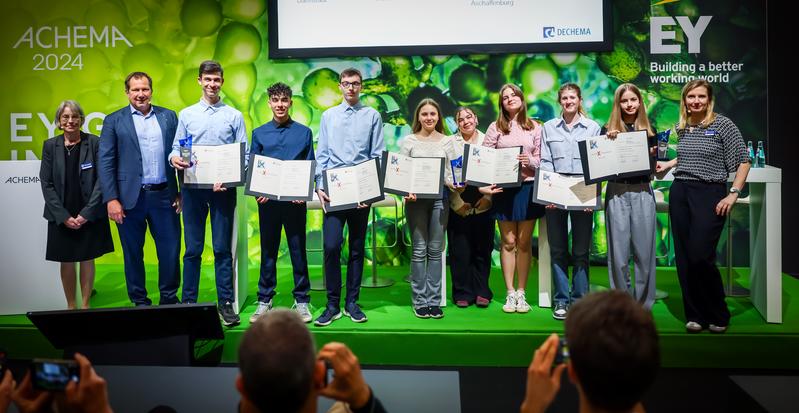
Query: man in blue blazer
[{"x": 140, "y": 187}]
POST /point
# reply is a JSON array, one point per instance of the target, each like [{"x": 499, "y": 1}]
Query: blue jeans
[
  {"x": 196, "y": 205},
  {"x": 558, "y": 236},
  {"x": 428, "y": 221},
  {"x": 273, "y": 216}
]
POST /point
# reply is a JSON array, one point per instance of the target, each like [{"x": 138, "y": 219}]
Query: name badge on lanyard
[{"x": 85, "y": 166}]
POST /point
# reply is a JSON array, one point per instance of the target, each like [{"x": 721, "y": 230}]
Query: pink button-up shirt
[{"x": 529, "y": 140}]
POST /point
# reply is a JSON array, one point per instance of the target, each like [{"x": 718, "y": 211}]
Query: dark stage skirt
[
  {"x": 515, "y": 204},
  {"x": 92, "y": 240}
]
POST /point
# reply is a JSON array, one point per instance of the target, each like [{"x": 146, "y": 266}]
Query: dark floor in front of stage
[{"x": 675, "y": 390}]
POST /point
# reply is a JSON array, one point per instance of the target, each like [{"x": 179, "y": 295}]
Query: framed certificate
[
  {"x": 565, "y": 191},
  {"x": 486, "y": 166},
  {"x": 604, "y": 158},
  {"x": 348, "y": 186},
  {"x": 404, "y": 175},
  {"x": 280, "y": 180},
  {"x": 212, "y": 164}
]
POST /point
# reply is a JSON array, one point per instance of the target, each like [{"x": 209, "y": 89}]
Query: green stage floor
[{"x": 471, "y": 336}]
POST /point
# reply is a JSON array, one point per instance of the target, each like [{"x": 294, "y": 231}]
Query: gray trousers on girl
[
  {"x": 428, "y": 222},
  {"x": 630, "y": 221}
]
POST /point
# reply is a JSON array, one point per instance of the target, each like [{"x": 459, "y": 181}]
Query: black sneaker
[
  {"x": 227, "y": 315},
  {"x": 422, "y": 312},
  {"x": 328, "y": 316},
  {"x": 353, "y": 311},
  {"x": 561, "y": 309},
  {"x": 435, "y": 311}
]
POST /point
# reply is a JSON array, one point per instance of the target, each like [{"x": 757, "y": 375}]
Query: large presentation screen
[{"x": 322, "y": 28}]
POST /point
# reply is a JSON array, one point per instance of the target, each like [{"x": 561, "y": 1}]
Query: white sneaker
[
  {"x": 303, "y": 311},
  {"x": 260, "y": 310},
  {"x": 521, "y": 302},
  {"x": 510, "y": 302},
  {"x": 693, "y": 327}
]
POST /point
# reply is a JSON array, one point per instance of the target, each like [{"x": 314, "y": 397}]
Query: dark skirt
[
  {"x": 516, "y": 204},
  {"x": 92, "y": 240}
]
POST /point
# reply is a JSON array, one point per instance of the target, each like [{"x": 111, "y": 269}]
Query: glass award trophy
[
  {"x": 456, "y": 168},
  {"x": 185, "y": 149},
  {"x": 663, "y": 145}
]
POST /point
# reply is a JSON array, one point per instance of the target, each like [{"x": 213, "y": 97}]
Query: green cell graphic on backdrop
[{"x": 169, "y": 38}]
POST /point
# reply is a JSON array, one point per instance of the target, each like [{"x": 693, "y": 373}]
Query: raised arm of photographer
[
  {"x": 543, "y": 382},
  {"x": 90, "y": 395}
]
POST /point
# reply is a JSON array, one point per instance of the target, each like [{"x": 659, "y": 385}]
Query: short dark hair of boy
[
  {"x": 277, "y": 359},
  {"x": 350, "y": 72},
  {"x": 613, "y": 348},
  {"x": 279, "y": 89},
  {"x": 210, "y": 66}
]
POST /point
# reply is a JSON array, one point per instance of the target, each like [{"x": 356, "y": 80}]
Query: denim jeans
[
  {"x": 428, "y": 221},
  {"x": 558, "y": 236},
  {"x": 197, "y": 203}
]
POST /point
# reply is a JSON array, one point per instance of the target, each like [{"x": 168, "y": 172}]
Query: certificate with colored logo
[
  {"x": 487, "y": 166},
  {"x": 625, "y": 156},
  {"x": 280, "y": 180},
  {"x": 348, "y": 186},
  {"x": 212, "y": 164},
  {"x": 405, "y": 175},
  {"x": 565, "y": 191}
]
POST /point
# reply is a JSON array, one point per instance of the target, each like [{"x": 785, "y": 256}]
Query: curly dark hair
[{"x": 279, "y": 89}]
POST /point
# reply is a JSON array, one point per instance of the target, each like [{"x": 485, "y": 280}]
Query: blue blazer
[
  {"x": 52, "y": 176},
  {"x": 120, "y": 155}
]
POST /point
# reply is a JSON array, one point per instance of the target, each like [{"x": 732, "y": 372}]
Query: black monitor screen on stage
[{"x": 325, "y": 28}]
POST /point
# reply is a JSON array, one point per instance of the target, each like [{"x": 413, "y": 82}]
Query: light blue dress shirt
[
  {"x": 151, "y": 145},
  {"x": 559, "y": 150},
  {"x": 348, "y": 135},
  {"x": 210, "y": 125}
]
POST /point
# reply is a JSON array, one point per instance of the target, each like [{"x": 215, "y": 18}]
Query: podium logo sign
[{"x": 22, "y": 180}]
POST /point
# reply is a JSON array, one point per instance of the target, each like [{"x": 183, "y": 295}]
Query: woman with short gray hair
[{"x": 77, "y": 228}]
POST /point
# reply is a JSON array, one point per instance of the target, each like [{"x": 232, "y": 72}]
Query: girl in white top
[{"x": 427, "y": 218}]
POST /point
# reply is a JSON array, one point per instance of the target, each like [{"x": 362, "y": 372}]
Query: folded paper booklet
[
  {"x": 280, "y": 180},
  {"x": 404, "y": 175},
  {"x": 486, "y": 166}
]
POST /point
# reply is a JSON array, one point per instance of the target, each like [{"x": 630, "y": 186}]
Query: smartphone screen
[
  {"x": 562, "y": 355},
  {"x": 54, "y": 375},
  {"x": 328, "y": 373},
  {"x": 3, "y": 364}
]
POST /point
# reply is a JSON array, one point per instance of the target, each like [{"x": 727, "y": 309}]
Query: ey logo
[{"x": 659, "y": 33}]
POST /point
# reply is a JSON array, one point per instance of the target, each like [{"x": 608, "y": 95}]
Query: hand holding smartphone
[{"x": 54, "y": 375}]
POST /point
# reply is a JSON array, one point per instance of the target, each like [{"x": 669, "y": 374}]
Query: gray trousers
[
  {"x": 630, "y": 221},
  {"x": 428, "y": 222}
]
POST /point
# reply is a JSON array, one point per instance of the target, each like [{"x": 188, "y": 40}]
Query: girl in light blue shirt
[{"x": 560, "y": 153}]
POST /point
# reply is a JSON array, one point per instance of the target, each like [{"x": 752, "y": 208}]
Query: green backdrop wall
[{"x": 82, "y": 49}]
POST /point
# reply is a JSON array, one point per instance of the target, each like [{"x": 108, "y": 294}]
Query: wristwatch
[{"x": 734, "y": 190}]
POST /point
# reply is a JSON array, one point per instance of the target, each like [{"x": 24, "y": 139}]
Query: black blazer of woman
[{"x": 52, "y": 176}]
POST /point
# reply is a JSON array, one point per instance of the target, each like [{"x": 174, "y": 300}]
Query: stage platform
[{"x": 471, "y": 336}]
